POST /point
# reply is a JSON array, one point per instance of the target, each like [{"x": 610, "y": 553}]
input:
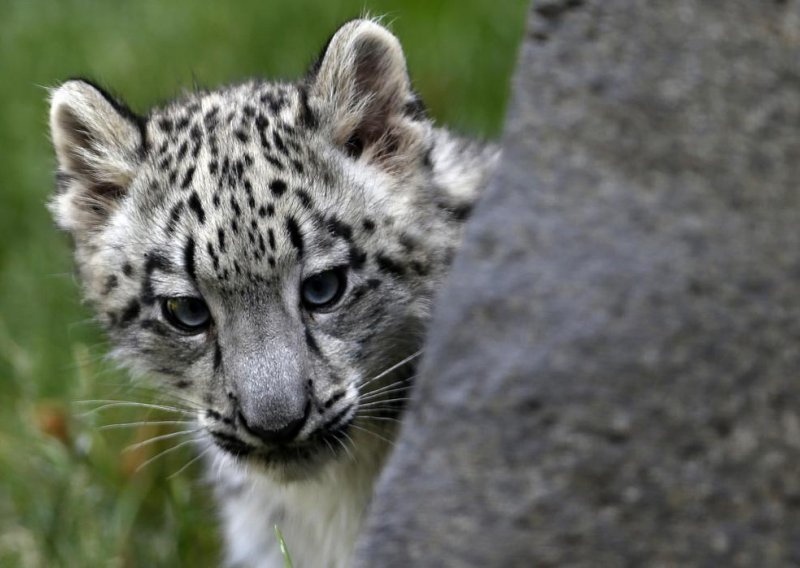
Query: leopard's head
[{"x": 267, "y": 251}]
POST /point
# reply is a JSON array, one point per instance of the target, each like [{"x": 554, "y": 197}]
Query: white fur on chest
[{"x": 319, "y": 518}]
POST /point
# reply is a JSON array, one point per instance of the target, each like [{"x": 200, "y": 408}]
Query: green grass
[{"x": 69, "y": 496}]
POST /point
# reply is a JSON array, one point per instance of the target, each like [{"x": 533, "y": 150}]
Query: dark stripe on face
[
  {"x": 155, "y": 261},
  {"x": 156, "y": 327},
  {"x": 311, "y": 342},
  {"x": 334, "y": 399},
  {"x": 188, "y": 259},
  {"x": 295, "y": 236},
  {"x": 217, "y": 357}
]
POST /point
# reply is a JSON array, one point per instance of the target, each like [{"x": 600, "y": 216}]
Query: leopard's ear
[
  {"x": 362, "y": 82},
  {"x": 99, "y": 144}
]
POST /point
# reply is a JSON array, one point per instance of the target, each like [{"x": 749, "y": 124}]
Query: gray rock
[{"x": 613, "y": 376}]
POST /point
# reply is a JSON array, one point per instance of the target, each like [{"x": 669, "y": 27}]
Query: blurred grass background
[{"x": 69, "y": 495}]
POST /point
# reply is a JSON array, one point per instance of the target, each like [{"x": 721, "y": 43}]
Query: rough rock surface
[{"x": 613, "y": 377}]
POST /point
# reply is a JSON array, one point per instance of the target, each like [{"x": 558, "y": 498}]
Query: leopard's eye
[
  {"x": 324, "y": 289},
  {"x": 186, "y": 313}
]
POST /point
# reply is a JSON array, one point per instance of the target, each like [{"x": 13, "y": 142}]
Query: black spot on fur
[
  {"x": 274, "y": 161},
  {"x": 419, "y": 268},
  {"x": 278, "y": 141},
  {"x": 195, "y": 205},
  {"x": 305, "y": 198},
  {"x": 295, "y": 237},
  {"x": 156, "y": 261},
  {"x": 130, "y": 313},
  {"x": 188, "y": 259},
  {"x": 237, "y": 211},
  {"x": 165, "y": 125},
  {"x": 354, "y": 146},
  {"x": 111, "y": 283},
  {"x": 221, "y": 239},
  {"x": 407, "y": 242},
  {"x": 278, "y": 187},
  {"x": 182, "y": 150},
  {"x": 368, "y": 224},
  {"x": 213, "y": 255},
  {"x": 307, "y": 117},
  {"x": 174, "y": 216},
  {"x": 261, "y": 127},
  {"x": 187, "y": 179},
  {"x": 388, "y": 265},
  {"x": 357, "y": 257},
  {"x": 271, "y": 236},
  {"x": 127, "y": 269},
  {"x": 339, "y": 228}
]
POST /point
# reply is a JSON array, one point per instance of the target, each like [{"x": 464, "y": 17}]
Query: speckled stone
[{"x": 613, "y": 375}]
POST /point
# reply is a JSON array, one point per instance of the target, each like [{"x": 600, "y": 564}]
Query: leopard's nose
[{"x": 276, "y": 430}]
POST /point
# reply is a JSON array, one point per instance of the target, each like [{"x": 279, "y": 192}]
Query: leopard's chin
[{"x": 297, "y": 462}]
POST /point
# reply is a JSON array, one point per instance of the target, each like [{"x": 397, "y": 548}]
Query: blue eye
[
  {"x": 186, "y": 313},
  {"x": 323, "y": 289}
]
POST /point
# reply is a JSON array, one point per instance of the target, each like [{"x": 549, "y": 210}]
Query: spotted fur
[{"x": 235, "y": 196}]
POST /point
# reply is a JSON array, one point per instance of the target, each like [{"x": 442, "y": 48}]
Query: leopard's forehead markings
[{"x": 234, "y": 176}]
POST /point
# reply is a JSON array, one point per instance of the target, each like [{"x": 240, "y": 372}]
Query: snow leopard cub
[{"x": 267, "y": 250}]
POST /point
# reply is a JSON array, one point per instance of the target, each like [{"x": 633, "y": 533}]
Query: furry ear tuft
[
  {"x": 362, "y": 81},
  {"x": 98, "y": 142}
]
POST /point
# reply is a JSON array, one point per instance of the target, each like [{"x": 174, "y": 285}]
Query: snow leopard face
[{"x": 265, "y": 249}]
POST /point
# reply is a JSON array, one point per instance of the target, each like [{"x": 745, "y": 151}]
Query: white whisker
[
  {"x": 384, "y": 391},
  {"x": 143, "y": 423},
  {"x": 384, "y": 418},
  {"x": 387, "y": 402},
  {"x": 167, "y": 451},
  {"x": 105, "y": 404},
  {"x": 161, "y": 437},
  {"x": 344, "y": 446},
  {"x": 190, "y": 462},
  {"x": 392, "y": 368},
  {"x": 368, "y": 431}
]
